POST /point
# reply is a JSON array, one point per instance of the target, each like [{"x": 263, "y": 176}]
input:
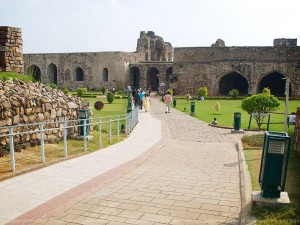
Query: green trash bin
[
  {"x": 237, "y": 121},
  {"x": 192, "y": 108},
  {"x": 274, "y": 163},
  {"x": 174, "y": 102},
  {"x": 83, "y": 114}
]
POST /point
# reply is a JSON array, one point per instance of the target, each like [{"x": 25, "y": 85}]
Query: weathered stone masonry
[
  {"x": 11, "y": 50},
  {"x": 28, "y": 103}
]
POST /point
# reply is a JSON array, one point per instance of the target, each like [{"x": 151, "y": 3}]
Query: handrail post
[
  {"x": 65, "y": 139},
  {"x": 127, "y": 124},
  {"x": 118, "y": 128},
  {"x": 84, "y": 135},
  {"x": 12, "y": 149},
  {"x": 110, "y": 129},
  {"x": 42, "y": 143},
  {"x": 100, "y": 133}
]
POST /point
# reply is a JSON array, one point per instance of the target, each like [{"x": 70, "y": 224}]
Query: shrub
[
  {"x": 171, "y": 91},
  {"x": 203, "y": 92},
  {"x": 234, "y": 93},
  {"x": 103, "y": 90},
  {"x": 54, "y": 86},
  {"x": 66, "y": 90},
  {"x": 110, "y": 97},
  {"x": 266, "y": 91},
  {"x": 217, "y": 107},
  {"x": 81, "y": 91},
  {"x": 98, "y": 105}
]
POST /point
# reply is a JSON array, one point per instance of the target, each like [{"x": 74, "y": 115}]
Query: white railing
[{"x": 110, "y": 124}]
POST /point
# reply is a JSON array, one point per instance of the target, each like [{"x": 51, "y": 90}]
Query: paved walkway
[{"x": 173, "y": 169}]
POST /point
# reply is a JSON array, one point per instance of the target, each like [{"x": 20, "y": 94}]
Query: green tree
[
  {"x": 103, "y": 90},
  {"x": 234, "y": 93},
  {"x": 110, "y": 97},
  {"x": 259, "y": 104},
  {"x": 81, "y": 91},
  {"x": 266, "y": 91},
  {"x": 203, "y": 92},
  {"x": 171, "y": 91}
]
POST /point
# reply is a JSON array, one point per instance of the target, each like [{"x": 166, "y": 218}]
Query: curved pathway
[{"x": 190, "y": 177}]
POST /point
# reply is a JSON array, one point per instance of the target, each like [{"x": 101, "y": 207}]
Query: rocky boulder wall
[{"x": 24, "y": 103}]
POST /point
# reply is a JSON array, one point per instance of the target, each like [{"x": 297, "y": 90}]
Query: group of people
[{"x": 141, "y": 99}]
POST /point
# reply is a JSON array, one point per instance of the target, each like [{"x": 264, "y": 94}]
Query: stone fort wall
[
  {"x": 11, "y": 50},
  {"x": 206, "y": 66}
]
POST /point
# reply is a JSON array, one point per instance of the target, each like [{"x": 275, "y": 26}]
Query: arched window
[
  {"x": 52, "y": 73},
  {"x": 78, "y": 74},
  {"x": 105, "y": 74},
  {"x": 35, "y": 72}
]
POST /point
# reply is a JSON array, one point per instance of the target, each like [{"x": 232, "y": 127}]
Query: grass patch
[
  {"x": 205, "y": 111},
  {"x": 6, "y": 75},
  {"x": 269, "y": 215}
]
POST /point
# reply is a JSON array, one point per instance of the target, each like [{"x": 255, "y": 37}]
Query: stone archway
[
  {"x": 231, "y": 81},
  {"x": 35, "y": 71},
  {"x": 134, "y": 77},
  {"x": 52, "y": 73},
  {"x": 168, "y": 73},
  {"x": 152, "y": 79},
  {"x": 275, "y": 82}
]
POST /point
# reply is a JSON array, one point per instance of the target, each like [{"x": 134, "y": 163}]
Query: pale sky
[{"x": 55, "y": 26}]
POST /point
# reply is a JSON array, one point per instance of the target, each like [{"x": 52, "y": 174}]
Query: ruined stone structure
[
  {"x": 97, "y": 69},
  {"x": 11, "y": 50},
  {"x": 185, "y": 70},
  {"x": 27, "y": 103}
]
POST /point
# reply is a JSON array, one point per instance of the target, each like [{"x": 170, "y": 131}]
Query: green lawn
[{"x": 205, "y": 111}]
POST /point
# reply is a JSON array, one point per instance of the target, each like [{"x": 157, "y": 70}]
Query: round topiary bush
[{"x": 99, "y": 105}]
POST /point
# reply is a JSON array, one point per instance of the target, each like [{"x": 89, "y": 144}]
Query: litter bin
[
  {"x": 192, "y": 108},
  {"x": 274, "y": 162},
  {"x": 174, "y": 102},
  {"x": 237, "y": 121},
  {"x": 83, "y": 114}
]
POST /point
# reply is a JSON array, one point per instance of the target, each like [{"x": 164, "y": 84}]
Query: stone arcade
[{"x": 184, "y": 69}]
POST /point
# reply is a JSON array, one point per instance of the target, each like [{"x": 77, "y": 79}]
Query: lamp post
[{"x": 287, "y": 93}]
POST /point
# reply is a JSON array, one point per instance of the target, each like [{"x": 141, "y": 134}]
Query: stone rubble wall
[
  {"x": 27, "y": 103},
  {"x": 11, "y": 50}
]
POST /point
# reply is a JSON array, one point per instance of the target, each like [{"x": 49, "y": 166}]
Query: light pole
[{"x": 287, "y": 93}]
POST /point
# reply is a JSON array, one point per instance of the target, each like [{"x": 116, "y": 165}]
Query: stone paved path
[{"x": 192, "y": 177}]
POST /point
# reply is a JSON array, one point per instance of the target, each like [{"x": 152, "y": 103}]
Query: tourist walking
[
  {"x": 146, "y": 102},
  {"x": 141, "y": 95},
  {"x": 168, "y": 100}
]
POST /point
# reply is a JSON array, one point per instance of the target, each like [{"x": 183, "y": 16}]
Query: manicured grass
[
  {"x": 205, "y": 111},
  {"x": 269, "y": 215}
]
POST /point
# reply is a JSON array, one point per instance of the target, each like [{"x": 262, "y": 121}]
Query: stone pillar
[{"x": 11, "y": 50}]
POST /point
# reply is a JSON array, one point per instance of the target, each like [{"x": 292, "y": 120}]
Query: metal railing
[{"x": 65, "y": 130}]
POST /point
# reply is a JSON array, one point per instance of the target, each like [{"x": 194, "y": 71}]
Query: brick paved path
[{"x": 193, "y": 178}]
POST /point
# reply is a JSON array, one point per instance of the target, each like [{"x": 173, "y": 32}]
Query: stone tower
[
  {"x": 11, "y": 50},
  {"x": 154, "y": 47}
]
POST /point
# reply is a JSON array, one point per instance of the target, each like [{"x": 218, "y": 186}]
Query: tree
[
  {"x": 203, "y": 92},
  {"x": 110, "y": 97},
  {"x": 259, "y": 104},
  {"x": 234, "y": 93},
  {"x": 266, "y": 91}
]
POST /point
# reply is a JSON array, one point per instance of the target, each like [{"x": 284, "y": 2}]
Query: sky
[{"x": 61, "y": 26}]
